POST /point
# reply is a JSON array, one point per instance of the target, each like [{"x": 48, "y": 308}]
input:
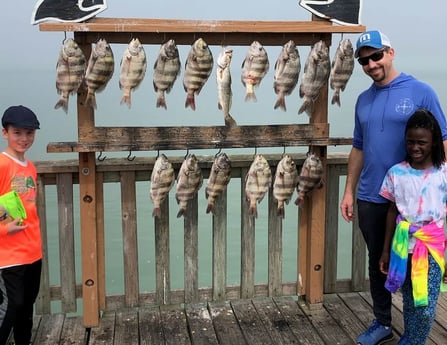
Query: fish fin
[
  {"x": 219, "y": 106},
  {"x": 280, "y": 103},
  {"x": 190, "y": 102},
  {"x": 62, "y": 103},
  {"x": 336, "y": 98},
  {"x": 156, "y": 212}
]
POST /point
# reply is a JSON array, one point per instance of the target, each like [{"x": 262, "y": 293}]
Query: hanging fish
[
  {"x": 132, "y": 69},
  {"x": 315, "y": 75},
  {"x": 257, "y": 183},
  {"x": 342, "y": 68},
  {"x": 100, "y": 68},
  {"x": 254, "y": 67},
  {"x": 284, "y": 184},
  {"x": 166, "y": 70},
  {"x": 198, "y": 67},
  {"x": 311, "y": 177},
  {"x": 224, "y": 92},
  {"x": 162, "y": 180},
  {"x": 287, "y": 70},
  {"x": 218, "y": 180},
  {"x": 189, "y": 181},
  {"x": 70, "y": 70}
]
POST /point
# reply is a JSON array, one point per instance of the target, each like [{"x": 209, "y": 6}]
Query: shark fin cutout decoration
[
  {"x": 344, "y": 12},
  {"x": 66, "y": 10}
]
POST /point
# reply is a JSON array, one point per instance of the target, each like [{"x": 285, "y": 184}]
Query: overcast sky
[{"x": 414, "y": 27}]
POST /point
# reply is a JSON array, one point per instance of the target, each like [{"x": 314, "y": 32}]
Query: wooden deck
[{"x": 279, "y": 320}]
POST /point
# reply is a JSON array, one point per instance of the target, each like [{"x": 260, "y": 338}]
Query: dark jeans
[
  {"x": 19, "y": 286},
  {"x": 372, "y": 220}
]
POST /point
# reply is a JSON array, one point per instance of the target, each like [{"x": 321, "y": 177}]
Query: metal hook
[
  {"x": 218, "y": 152},
  {"x": 101, "y": 157},
  {"x": 256, "y": 151},
  {"x": 284, "y": 151},
  {"x": 128, "y": 157},
  {"x": 187, "y": 152},
  {"x": 65, "y": 37}
]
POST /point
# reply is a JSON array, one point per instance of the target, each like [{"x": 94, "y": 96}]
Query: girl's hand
[{"x": 15, "y": 226}]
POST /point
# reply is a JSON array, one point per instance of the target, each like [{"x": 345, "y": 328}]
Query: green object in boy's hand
[{"x": 13, "y": 204}]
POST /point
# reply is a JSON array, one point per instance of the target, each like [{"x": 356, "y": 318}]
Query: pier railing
[{"x": 139, "y": 257}]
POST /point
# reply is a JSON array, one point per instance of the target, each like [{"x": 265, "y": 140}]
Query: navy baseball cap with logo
[
  {"x": 20, "y": 116},
  {"x": 373, "y": 39}
]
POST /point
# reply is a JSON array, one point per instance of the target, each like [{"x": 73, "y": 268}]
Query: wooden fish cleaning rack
[{"x": 92, "y": 139}]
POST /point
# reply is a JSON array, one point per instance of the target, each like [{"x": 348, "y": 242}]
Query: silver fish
[
  {"x": 224, "y": 92},
  {"x": 162, "y": 180},
  {"x": 132, "y": 69},
  {"x": 189, "y": 181},
  {"x": 254, "y": 67},
  {"x": 311, "y": 177},
  {"x": 166, "y": 70},
  {"x": 315, "y": 76},
  {"x": 257, "y": 183},
  {"x": 342, "y": 68},
  {"x": 284, "y": 184},
  {"x": 287, "y": 70},
  {"x": 99, "y": 71},
  {"x": 198, "y": 68},
  {"x": 218, "y": 180},
  {"x": 70, "y": 70}
]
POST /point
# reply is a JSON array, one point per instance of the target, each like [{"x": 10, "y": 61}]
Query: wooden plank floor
[{"x": 268, "y": 321}]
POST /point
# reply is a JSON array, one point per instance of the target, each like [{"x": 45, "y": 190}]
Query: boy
[{"x": 21, "y": 248}]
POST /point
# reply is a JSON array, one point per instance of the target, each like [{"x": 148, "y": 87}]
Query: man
[{"x": 381, "y": 113}]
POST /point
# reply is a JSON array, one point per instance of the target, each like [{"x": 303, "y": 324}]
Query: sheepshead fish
[
  {"x": 198, "y": 67},
  {"x": 218, "y": 180},
  {"x": 189, "y": 181},
  {"x": 315, "y": 76},
  {"x": 70, "y": 71},
  {"x": 224, "y": 92},
  {"x": 257, "y": 183},
  {"x": 132, "y": 69},
  {"x": 285, "y": 181},
  {"x": 100, "y": 68},
  {"x": 254, "y": 67},
  {"x": 341, "y": 69},
  {"x": 162, "y": 180},
  {"x": 311, "y": 177},
  {"x": 166, "y": 70},
  {"x": 287, "y": 70}
]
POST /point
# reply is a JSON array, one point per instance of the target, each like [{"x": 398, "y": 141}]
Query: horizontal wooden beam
[
  {"x": 222, "y": 32},
  {"x": 181, "y": 138}
]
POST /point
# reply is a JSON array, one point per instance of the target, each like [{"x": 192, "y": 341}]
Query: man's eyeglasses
[{"x": 376, "y": 56}]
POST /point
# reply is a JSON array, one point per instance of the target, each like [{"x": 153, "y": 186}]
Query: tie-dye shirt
[{"x": 420, "y": 195}]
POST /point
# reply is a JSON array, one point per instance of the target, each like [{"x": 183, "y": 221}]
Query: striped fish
[
  {"x": 198, "y": 68},
  {"x": 166, "y": 70},
  {"x": 132, "y": 69},
  {"x": 284, "y": 184},
  {"x": 311, "y": 177},
  {"x": 254, "y": 67},
  {"x": 315, "y": 75},
  {"x": 287, "y": 70},
  {"x": 189, "y": 181},
  {"x": 342, "y": 68},
  {"x": 220, "y": 175},
  {"x": 257, "y": 183},
  {"x": 99, "y": 71},
  {"x": 70, "y": 71},
  {"x": 162, "y": 180},
  {"x": 223, "y": 77}
]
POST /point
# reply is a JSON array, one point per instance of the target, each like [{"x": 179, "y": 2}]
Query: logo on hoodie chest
[{"x": 405, "y": 106}]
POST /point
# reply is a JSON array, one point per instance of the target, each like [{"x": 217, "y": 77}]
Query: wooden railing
[{"x": 58, "y": 205}]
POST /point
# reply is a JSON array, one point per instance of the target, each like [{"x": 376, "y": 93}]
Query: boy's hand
[
  {"x": 15, "y": 226},
  {"x": 384, "y": 263}
]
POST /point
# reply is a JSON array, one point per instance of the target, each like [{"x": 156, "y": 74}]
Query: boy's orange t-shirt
[{"x": 23, "y": 247}]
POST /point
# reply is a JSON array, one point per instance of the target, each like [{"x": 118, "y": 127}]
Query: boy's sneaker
[{"x": 376, "y": 334}]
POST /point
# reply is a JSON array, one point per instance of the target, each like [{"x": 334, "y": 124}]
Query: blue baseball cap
[
  {"x": 20, "y": 117},
  {"x": 373, "y": 39}
]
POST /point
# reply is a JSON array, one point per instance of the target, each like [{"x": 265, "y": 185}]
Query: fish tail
[
  {"x": 181, "y": 212},
  {"x": 336, "y": 98},
  {"x": 280, "y": 103},
  {"x": 299, "y": 201},
  {"x": 281, "y": 211},
  {"x": 62, "y": 103},
  {"x": 307, "y": 107},
  {"x": 156, "y": 212},
  {"x": 190, "y": 102},
  {"x": 229, "y": 121},
  {"x": 126, "y": 99},
  {"x": 210, "y": 208},
  {"x": 253, "y": 211},
  {"x": 250, "y": 96},
  {"x": 90, "y": 100},
  {"x": 161, "y": 102}
]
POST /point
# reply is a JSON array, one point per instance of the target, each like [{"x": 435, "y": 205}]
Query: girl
[{"x": 413, "y": 251}]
